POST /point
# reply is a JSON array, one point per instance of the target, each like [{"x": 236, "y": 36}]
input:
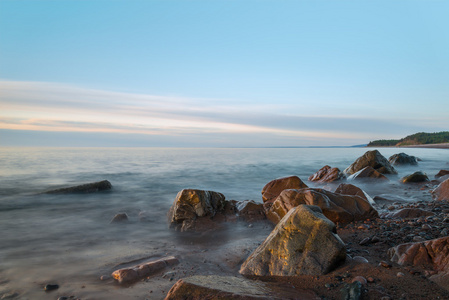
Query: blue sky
[{"x": 221, "y": 73}]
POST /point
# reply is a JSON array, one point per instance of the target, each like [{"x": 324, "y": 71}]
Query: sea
[{"x": 68, "y": 239}]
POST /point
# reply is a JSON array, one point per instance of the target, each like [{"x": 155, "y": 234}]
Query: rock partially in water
[
  {"x": 193, "y": 209},
  {"x": 51, "y": 287},
  {"x": 251, "y": 211},
  {"x": 327, "y": 174},
  {"x": 418, "y": 176},
  {"x": 120, "y": 218},
  {"x": 350, "y": 189},
  {"x": 272, "y": 189},
  {"x": 402, "y": 159},
  {"x": 442, "y": 173},
  {"x": 135, "y": 273},
  {"x": 304, "y": 242},
  {"x": 371, "y": 159},
  {"x": 84, "y": 188},
  {"x": 367, "y": 174},
  {"x": 214, "y": 287},
  {"x": 408, "y": 213},
  {"x": 337, "y": 207},
  {"x": 441, "y": 192}
]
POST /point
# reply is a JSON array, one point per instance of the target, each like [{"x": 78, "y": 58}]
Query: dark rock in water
[
  {"x": 198, "y": 210},
  {"x": 442, "y": 173},
  {"x": 251, "y": 211},
  {"x": 402, "y": 159},
  {"x": 51, "y": 287},
  {"x": 441, "y": 192},
  {"x": 371, "y": 159},
  {"x": 366, "y": 174},
  {"x": 120, "y": 218},
  {"x": 408, "y": 213},
  {"x": 214, "y": 287},
  {"x": 337, "y": 207},
  {"x": 135, "y": 273},
  {"x": 272, "y": 189},
  {"x": 327, "y": 174},
  {"x": 415, "y": 177},
  {"x": 84, "y": 188},
  {"x": 304, "y": 242},
  {"x": 352, "y": 291},
  {"x": 350, "y": 189}
]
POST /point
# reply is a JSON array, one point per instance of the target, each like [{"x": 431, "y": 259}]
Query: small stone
[
  {"x": 391, "y": 207},
  {"x": 329, "y": 285},
  {"x": 360, "y": 259},
  {"x": 400, "y": 274},
  {"x": 361, "y": 279},
  {"x": 370, "y": 279},
  {"x": 418, "y": 239},
  {"x": 365, "y": 241},
  {"x": 426, "y": 227},
  {"x": 51, "y": 287},
  {"x": 385, "y": 264}
]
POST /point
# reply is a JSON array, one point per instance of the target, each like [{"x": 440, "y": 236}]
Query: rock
[
  {"x": 441, "y": 192},
  {"x": 84, "y": 188},
  {"x": 442, "y": 173},
  {"x": 408, "y": 213},
  {"x": 367, "y": 173},
  {"x": 336, "y": 207},
  {"x": 214, "y": 287},
  {"x": 192, "y": 209},
  {"x": 304, "y": 242},
  {"x": 360, "y": 279},
  {"x": 132, "y": 274},
  {"x": 352, "y": 291},
  {"x": 402, "y": 159},
  {"x": 119, "y": 218},
  {"x": 51, "y": 287},
  {"x": 371, "y": 159},
  {"x": 251, "y": 211},
  {"x": 327, "y": 174},
  {"x": 418, "y": 176},
  {"x": 350, "y": 189},
  {"x": 272, "y": 189}
]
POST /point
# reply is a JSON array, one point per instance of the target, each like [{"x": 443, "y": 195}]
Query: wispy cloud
[{"x": 55, "y": 107}]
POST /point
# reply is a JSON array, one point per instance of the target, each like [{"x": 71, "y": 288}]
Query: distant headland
[{"x": 420, "y": 139}]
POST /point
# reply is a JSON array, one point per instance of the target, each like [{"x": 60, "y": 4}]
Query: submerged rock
[
  {"x": 402, "y": 159},
  {"x": 135, "y": 273},
  {"x": 371, "y": 159},
  {"x": 84, "y": 188},
  {"x": 327, "y": 174},
  {"x": 120, "y": 218},
  {"x": 304, "y": 242},
  {"x": 441, "y": 192},
  {"x": 350, "y": 189},
  {"x": 273, "y": 188},
  {"x": 367, "y": 173},
  {"x": 418, "y": 176},
  {"x": 337, "y": 207},
  {"x": 214, "y": 287}
]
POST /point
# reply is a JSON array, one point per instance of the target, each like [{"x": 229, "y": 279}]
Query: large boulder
[
  {"x": 371, "y": 159},
  {"x": 402, "y": 159},
  {"x": 327, "y": 174},
  {"x": 441, "y": 192},
  {"x": 304, "y": 242},
  {"x": 273, "y": 188},
  {"x": 87, "y": 188},
  {"x": 350, "y": 189},
  {"x": 337, "y": 207},
  {"x": 367, "y": 174},
  {"x": 418, "y": 176},
  {"x": 192, "y": 208},
  {"x": 214, "y": 287}
]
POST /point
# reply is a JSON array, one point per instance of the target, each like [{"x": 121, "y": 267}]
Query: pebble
[
  {"x": 370, "y": 279},
  {"x": 360, "y": 279},
  {"x": 385, "y": 264},
  {"x": 418, "y": 238},
  {"x": 51, "y": 287},
  {"x": 400, "y": 274},
  {"x": 426, "y": 227},
  {"x": 360, "y": 259}
]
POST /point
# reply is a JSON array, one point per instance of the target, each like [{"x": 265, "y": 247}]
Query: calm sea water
[{"x": 68, "y": 238}]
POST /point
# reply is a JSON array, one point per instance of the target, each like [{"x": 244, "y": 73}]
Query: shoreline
[{"x": 427, "y": 146}]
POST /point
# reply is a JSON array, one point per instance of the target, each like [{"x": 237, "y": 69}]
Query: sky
[{"x": 221, "y": 73}]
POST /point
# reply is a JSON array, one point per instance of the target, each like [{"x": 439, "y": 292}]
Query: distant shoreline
[{"x": 430, "y": 146}]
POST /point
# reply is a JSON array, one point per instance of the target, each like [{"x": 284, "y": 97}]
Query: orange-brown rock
[
  {"x": 337, "y": 207},
  {"x": 371, "y": 159},
  {"x": 442, "y": 173},
  {"x": 273, "y": 188},
  {"x": 350, "y": 189},
  {"x": 304, "y": 242},
  {"x": 366, "y": 174},
  {"x": 327, "y": 174},
  {"x": 441, "y": 192},
  {"x": 135, "y": 273}
]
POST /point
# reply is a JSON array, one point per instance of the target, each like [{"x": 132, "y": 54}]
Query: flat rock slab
[
  {"x": 215, "y": 287},
  {"x": 84, "y": 188},
  {"x": 304, "y": 242},
  {"x": 135, "y": 273}
]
